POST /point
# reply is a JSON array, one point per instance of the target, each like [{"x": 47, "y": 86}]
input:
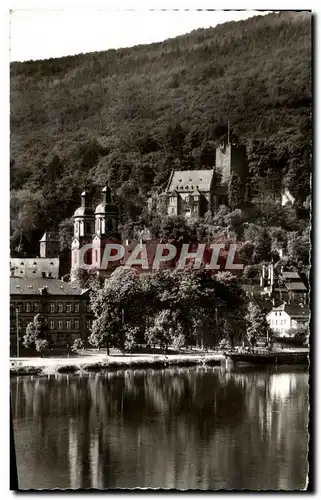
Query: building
[
  {"x": 48, "y": 265},
  {"x": 49, "y": 245},
  {"x": 95, "y": 229},
  {"x": 192, "y": 193},
  {"x": 65, "y": 308},
  {"x": 34, "y": 267},
  {"x": 286, "y": 286},
  {"x": 284, "y": 318}
]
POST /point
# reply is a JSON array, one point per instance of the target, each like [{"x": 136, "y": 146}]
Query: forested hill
[{"x": 131, "y": 115}]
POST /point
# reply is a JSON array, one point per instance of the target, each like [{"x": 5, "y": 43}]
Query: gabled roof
[
  {"x": 189, "y": 180},
  {"x": 293, "y": 310},
  {"x": 32, "y": 286}
]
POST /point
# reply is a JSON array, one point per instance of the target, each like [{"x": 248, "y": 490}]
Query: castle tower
[
  {"x": 49, "y": 245},
  {"x": 84, "y": 220},
  {"x": 231, "y": 159}
]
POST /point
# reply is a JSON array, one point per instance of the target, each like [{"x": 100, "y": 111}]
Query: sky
[{"x": 41, "y": 34}]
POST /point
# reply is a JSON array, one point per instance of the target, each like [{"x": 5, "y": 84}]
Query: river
[{"x": 189, "y": 428}]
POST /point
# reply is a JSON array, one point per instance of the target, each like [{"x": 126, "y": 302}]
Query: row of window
[
  {"x": 276, "y": 322},
  {"x": 68, "y": 324},
  {"x": 52, "y": 307}
]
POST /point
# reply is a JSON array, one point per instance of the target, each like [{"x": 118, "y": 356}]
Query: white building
[{"x": 286, "y": 317}]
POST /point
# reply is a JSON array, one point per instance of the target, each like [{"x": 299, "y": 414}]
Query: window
[
  {"x": 76, "y": 308},
  {"x": 60, "y": 325},
  {"x": 60, "y": 307},
  {"x": 43, "y": 275},
  {"x": 52, "y": 325},
  {"x": 96, "y": 255},
  {"x": 173, "y": 210},
  {"x": 76, "y": 325},
  {"x": 36, "y": 306},
  {"x": 28, "y": 308},
  {"x": 68, "y": 308},
  {"x": 88, "y": 324},
  {"x": 68, "y": 324},
  {"x": 88, "y": 308},
  {"x": 52, "y": 307}
]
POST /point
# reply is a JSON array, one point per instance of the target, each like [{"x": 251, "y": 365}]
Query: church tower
[
  {"x": 84, "y": 221},
  {"x": 106, "y": 225}
]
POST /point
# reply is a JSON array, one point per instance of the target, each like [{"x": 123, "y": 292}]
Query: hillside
[{"x": 131, "y": 115}]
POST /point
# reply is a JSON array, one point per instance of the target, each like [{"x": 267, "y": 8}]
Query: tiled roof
[
  {"x": 189, "y": 180},
  {"x": 32, "y": 286}
]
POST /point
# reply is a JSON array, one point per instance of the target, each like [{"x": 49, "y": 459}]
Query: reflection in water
[{"x": 175, "y": 428}]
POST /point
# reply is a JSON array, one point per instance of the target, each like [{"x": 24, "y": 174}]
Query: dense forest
[{"x": 132, "y": 115}]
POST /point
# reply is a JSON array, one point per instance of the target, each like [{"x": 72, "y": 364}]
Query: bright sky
[{"x": 41, "y": 34}]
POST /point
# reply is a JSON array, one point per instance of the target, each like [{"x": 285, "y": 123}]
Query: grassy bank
[{"x": 38, "y": 366}]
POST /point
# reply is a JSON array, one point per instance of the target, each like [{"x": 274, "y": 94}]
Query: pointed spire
[{"x": 106, "y": 192}]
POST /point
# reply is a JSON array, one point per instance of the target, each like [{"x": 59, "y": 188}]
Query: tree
[
  {"x": 37, "y": 330},
  {"x": 78, "y": 345},
  {"x": 66, "y": 231},
  {"x": 258, "y": 325},
  {"x": 263, "y": 246},
  {"x": 118, "y": 302},
  {"x": 41, "y": 345},
  {"x": 234, "y": 191},
  {"x": 163, "y": 330},
  {"x": 84, "y": 278}
]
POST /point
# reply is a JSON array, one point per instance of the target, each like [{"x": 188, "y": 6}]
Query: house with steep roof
[
  {"x": 286, "y": 317},
  {"x": 190, "y": 192}
]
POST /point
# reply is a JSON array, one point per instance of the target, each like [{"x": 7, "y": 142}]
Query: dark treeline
[{"x": 132, "y": 115}]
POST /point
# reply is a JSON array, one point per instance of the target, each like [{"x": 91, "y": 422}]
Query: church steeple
[
  {"x": 83, "y": 218},
  {"x": 106, "y": 194},
  {"x": 106, "y": 213}
]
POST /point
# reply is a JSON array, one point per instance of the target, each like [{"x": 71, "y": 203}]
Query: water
[{"x": 198, "y": 428}]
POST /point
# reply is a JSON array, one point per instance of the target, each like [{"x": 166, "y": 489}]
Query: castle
[{"x": 192, "y": 193}]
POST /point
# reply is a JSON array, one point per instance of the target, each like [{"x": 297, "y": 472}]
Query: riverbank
[{"x": 102, "y": 362}]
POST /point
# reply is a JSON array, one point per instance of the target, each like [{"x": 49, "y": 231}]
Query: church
[{"x": 94, "y": 227}]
